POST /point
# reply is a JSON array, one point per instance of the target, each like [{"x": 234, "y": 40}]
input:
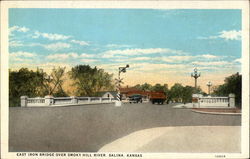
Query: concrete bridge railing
[
  {"x": 62, "y": 101},
  {"x": 200, "y": 101}
]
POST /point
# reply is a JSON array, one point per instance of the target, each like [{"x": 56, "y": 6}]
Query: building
[
  {"x": 126, "y": 92},
  {"x": 108, "y": 94}
]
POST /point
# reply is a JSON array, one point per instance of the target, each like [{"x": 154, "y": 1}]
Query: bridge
[
  {"x": 198, "y": 101},
  {"x": 63, "y": 101}
]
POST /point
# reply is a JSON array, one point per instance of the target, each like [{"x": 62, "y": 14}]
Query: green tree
[
  {"x": 160, "y": 88},
  {"x": 89, "y": 81},
  {"x": 52, "y": 84},
  {"x": 138, "y": 86},
  {"x": 187, "y": 94},
  {"x": 146, "y": 87},
  {"x": 24, "y": 82},
  {"x": 178, "y": 91},
  {"x": 232, "y": 84},
  {"x": 175, "y": 92}
]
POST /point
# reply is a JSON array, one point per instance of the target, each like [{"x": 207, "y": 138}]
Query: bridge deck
[{"x": 88, "y": 128}]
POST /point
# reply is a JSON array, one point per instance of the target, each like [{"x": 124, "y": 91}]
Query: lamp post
[
  {"x": 196, "y": 75},
  {"x": 209, "y": 84},
  {"x": 118, "y": 82}
]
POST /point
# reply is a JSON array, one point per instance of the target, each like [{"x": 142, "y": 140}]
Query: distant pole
[
  {"x": 209, "y": 84},
  {"x": 196, "y": 75},
  {"x": 119, "y": 80}
]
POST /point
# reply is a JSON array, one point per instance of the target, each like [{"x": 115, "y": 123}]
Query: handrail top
[
  {"x": 213, "y": 97},
  {"x": 62, "y": 97},
  {"x": 36, "y": 98}
]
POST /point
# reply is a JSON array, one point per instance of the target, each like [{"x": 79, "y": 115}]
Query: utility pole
[
  {"x": 118, "y": 83},
  {"x": 196, "y": 75}
]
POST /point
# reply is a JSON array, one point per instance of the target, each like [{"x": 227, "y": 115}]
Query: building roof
[
  {"x": 144, "y": 93},
  {"x": 131, "y": 91},
  {"x": 127, "y": 89},
  {"x": 113, "y": 93}
]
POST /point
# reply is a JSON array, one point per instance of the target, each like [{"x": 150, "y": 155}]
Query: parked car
[{"x": 135, "y": 98}]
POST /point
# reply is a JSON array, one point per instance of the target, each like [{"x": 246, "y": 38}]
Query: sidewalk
[
  {"x": 212, "y": 110},
  {"x": 198, "y": 139},
  {"x": 218, "y": 111}
]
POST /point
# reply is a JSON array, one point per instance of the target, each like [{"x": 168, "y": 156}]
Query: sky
[{"x": 161, "y": 46}]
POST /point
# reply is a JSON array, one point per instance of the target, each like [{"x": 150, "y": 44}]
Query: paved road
[
  {"x": 88, "y": 128},
  {"x": 187, "y": 139}
]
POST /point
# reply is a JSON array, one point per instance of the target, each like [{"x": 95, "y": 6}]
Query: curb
[{"x": 215, "y": 113}]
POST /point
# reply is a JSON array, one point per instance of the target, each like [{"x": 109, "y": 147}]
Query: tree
[
  {"x": 138, "y": 86},
  {"x": 146, "y": 87},
  {"x": 89, "y": 80},
  {"x": 104, "y": 81},
  {"x": 179, "y": 92},
  {"x": 52, "y": 83},
  {"x": 175, "y": 92},
  {"x": 187, "y": 94},
  {"x": 24, "y": 82},
  {"x": 232, "y": 84},
  {"x": 160, "y": 88}
]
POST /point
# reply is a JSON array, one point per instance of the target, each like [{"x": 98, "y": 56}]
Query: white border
[{"x": 244, "y": 5}]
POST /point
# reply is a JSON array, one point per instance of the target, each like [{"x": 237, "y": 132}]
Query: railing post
[
  {"x": 89, "y": 99},
  {"x": 74, "y": 100},
  {"x": 49, "y": 100},
  {"x": 24, "y": 101},
  {"x": 231, "y": 100},
  {"x": 196, "y": 100},
  {"x": 100, "y": 99}
]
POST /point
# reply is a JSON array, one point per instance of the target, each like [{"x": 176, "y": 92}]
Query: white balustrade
[
  {"x": 62, "y": 101},
  {"x": 213, "y": 102},
  {"x": 83, "y": 100},
  {"x": 35, "y": 101},
  {"x": 216, "y": 102}
]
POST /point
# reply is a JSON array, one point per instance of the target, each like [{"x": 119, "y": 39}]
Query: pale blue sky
[{"x": 150, "y": 40}]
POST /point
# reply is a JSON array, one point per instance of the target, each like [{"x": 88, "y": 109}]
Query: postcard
[{"x": 124, "y": 79}]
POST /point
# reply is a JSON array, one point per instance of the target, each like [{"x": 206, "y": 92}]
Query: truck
[{"x": 157, "y": 97}]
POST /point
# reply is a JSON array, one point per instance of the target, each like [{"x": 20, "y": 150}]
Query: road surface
[{"x": 88, "y": 128}]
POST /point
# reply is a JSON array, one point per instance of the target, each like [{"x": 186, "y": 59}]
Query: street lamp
[
  {"x": 118, "y": 82},
  {"x": 196, "y": 75},
  {"x": 209, "y": 84}
]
